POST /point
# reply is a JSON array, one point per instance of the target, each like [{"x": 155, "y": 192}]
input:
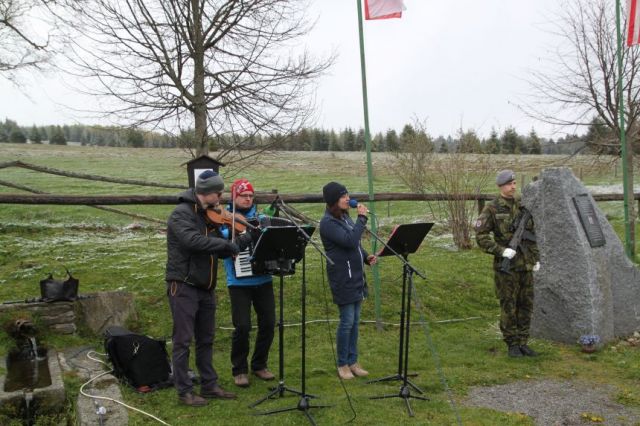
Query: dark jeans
[
  {"x": 193, "y": 312},
  {"x": 242, "y": 297}
]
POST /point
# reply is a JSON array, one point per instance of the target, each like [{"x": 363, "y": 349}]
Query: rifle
[{"x": 519, "y": 234}]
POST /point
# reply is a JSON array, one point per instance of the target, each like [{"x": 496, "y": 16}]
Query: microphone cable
[{"x": 333, "y": 345}]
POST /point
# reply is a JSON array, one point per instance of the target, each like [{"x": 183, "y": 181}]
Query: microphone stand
[{"x": 304, "y": 404}]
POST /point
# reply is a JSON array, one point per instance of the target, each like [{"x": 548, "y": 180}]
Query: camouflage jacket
[{"x": 494, "y": 230}]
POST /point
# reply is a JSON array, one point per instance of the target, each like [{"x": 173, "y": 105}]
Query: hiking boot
[
  {"x": 192, "y": 400},
  {"x": 527, "y": 351},
  {"x": 241, "y": 380},
  {"x": 264, "y": 374},
  {"x": 217, "y": 392},
  {"x": 358, "y": 371},
  {"x": 514, "y": 351},
  {"x": 345, "y": 373}
]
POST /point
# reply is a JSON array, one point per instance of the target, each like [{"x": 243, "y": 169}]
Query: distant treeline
[{"x": 311, "y": 139}]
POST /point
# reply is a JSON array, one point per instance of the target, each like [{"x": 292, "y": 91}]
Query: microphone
[{"x": 353, "y": 203}]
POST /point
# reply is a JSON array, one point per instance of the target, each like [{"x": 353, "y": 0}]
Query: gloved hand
[
  {"x": 244, "y": 240},
  {"x": 536, "y": 267},
  {"x": 230, "y": 249},
  {"x": 509, "y": 253}
]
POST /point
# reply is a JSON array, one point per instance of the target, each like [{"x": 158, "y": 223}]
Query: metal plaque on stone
[{"x": 589, "y": 220}]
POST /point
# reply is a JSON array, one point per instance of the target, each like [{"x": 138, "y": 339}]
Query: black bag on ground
[
  {"x": 52, "y": 290},
  {"x": 140, "y": 361}
]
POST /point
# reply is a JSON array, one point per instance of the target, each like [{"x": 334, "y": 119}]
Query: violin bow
[{"x": 233, "y": 214}]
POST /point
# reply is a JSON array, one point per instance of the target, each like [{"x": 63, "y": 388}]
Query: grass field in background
[{"x": 455, "y": 336}]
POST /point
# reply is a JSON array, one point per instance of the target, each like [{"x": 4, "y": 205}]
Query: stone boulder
[
  {"x": 103, "y": 309},
  {"x": 579, "y": 289}
]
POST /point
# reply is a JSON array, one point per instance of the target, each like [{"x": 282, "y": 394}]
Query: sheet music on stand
[
  {"x": 405, "y": 239},
  {"x": 279, "y": 247}
]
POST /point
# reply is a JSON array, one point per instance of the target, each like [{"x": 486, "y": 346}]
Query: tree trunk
[{"x": 199, "y": 103}]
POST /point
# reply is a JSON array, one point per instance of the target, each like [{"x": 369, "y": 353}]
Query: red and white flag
[
  {"x": 385, "y": 9},
  {"x": 633, "y": 22}
]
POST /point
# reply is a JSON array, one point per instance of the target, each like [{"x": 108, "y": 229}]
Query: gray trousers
[{"x": 193, "y": 312}]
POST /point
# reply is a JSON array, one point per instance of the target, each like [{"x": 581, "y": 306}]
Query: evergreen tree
[
  {"x": 407, "y": 136},
  {"x": 43, "y": 133},
  {"x": 511, "y": 142},
  {"x": 600, "y": 139},
  {"x": 17, "y": 136},
  {"x": 334, "y": 142},
  {"x": 360, "y": 144},
  {"x": 348, "y": 139},
  {"x": 533, "y": 143},
  {"x": 7, "y": 129},
  {"x": 391, "y": 141},
  {"x": 135, "y": 138},
  {"x": 492, "y": 145},
  {"x": 4, "y": 137},
  {"x": 468, "y": 143},
  {"x": 57, "y": 137},
  {"x": 322, "y": 137},
  {"x": 34, "y": 135}
]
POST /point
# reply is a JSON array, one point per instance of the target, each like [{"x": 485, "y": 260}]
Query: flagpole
[
  {"x": 367, "y": 140},
  {"x": 626, "y": 186}
]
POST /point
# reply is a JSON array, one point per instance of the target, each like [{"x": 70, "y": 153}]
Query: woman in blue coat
[{"x": 341, "y": 239}]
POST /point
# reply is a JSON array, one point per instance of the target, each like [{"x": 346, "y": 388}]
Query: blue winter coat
[
  {"x": 229, "y": 266},
  {"x": 341, "y": 241}
]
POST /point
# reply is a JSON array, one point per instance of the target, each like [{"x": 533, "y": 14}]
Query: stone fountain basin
[{"x": 47, "y": 400}]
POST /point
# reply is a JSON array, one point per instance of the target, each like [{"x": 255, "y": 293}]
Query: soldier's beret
[{"x": 505, "y": 176}]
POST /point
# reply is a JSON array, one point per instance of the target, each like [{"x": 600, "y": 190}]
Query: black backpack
[{"x": 138, "y": 360}]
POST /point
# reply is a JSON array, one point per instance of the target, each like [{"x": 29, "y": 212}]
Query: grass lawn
[{"x": 455, "y": 340}]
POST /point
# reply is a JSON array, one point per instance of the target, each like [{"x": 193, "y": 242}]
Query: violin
[{"x": 221, "y": 216}]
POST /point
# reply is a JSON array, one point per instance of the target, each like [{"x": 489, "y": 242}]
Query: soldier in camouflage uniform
[{"x": 515, "y": 288}]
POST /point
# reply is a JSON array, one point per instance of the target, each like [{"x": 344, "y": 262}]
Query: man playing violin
[
  {"x": 194, "y": 245},
  {"x": 256, "y": 290}
]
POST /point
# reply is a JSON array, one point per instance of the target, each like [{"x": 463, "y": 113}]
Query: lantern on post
[{"x": 199, "y": 165}]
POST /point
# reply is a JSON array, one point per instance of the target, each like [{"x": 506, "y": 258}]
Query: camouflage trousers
[{"x": 515, "y": 292}]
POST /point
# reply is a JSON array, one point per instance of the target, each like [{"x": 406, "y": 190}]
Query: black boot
[
  {"x": 514, "y": 351},
  {"x": 527, "y": 351}
]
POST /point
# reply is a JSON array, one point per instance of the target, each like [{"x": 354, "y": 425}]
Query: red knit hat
[{"x": 241, "y": 185}]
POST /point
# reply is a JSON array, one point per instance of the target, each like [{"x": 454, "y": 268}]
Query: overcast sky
[{"x": 452, "y": 63}]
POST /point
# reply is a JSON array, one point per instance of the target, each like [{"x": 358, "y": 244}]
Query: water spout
[{"x": 28, "y": 399}]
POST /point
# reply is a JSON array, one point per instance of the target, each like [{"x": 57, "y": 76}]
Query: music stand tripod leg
[
  {"x": 405, "y": 392},
  {"x": 280, "y": 389},
  {"x": 303, "y": 403}
]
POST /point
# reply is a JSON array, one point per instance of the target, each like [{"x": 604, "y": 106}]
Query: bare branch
[{"x": 219, "y": 67}]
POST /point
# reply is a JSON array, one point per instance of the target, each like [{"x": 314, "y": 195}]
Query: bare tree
[
  {"x": 459, "y": 175},
  {"x": 225, "y": 69},
  {"x": 579, "y": 85},
  {"x": 31, "y": 33}
]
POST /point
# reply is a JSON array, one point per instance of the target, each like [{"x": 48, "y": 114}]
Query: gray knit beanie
[{"x": 209, "y": 182}]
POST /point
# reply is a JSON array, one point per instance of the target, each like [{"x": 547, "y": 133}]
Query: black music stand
[
  {"x": 303, "y": 404},
  {"x": 280, "y": 244},
  {"x": 404, "y": 239}
]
